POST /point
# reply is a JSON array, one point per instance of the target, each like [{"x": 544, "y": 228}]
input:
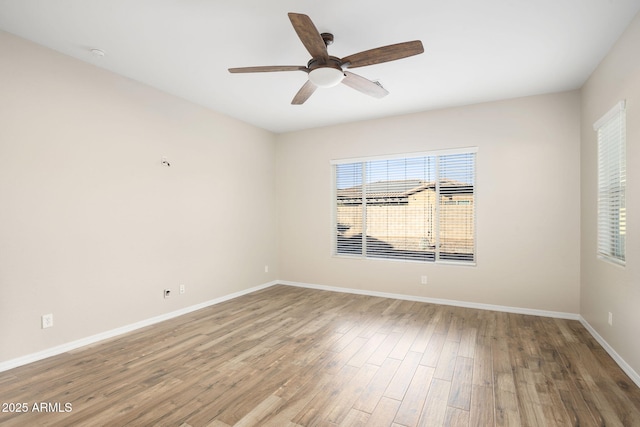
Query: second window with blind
[
  {"x": 612, "y": 184},
  {"x": 418, "y": 207}
]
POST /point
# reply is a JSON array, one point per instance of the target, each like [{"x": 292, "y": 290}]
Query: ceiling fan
[{"x": 328, "y": 71}]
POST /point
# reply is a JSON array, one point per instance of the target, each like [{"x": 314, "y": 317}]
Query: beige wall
[
  {"x": 528, "y": 202},
  {"x": 92, "y": 228},
  {"x": 607, "y": 287}
]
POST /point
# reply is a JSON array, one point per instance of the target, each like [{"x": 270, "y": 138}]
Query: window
[
  {"x": 411, "y": 207},
  {"x": 612, "y": 182}
]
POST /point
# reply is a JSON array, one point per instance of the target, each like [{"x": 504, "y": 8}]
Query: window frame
[
  {"x": 611, "y": 246},
  {"x": 363, "y": 255}
]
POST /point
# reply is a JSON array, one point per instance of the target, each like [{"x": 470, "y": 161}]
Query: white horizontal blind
[
  {"x": 389, "y": 208},
  {"x": 612, "y": 219},
  {"x": 349, "y": 211},
  {"x": 456, "y": 176},
  {"x": 400, "y": 208}
]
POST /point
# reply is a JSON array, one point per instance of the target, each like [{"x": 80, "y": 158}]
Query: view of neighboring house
[{"x": 400, "y": 220}]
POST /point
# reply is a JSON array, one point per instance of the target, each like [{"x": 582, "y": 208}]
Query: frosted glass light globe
[{"x": 326, "y": 76}]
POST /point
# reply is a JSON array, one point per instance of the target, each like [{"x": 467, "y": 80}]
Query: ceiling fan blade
[
  {"x": 304, "y": 93},
  {"x": 383, "y": 54},
  {"x": 269, "y": 68},
  {"x": 363, "y": 85},
  {"x": 309, "y": 35}
]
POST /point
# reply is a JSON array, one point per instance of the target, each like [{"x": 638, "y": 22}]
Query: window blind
[
  {"x": 418, "y": 208},
  {"x": 456, "y": 207},
  {"x": 612, "y": 219},
  {"x": 350, "y": 212}
]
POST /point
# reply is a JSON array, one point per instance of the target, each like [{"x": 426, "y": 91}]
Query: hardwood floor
[{"x": 289, "y": 356}]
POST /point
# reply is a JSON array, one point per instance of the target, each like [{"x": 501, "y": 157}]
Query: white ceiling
[{"x": 475, "y": 50}]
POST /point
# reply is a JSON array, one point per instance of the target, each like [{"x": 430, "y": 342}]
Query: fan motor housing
[{"x": 333, "y": 62}]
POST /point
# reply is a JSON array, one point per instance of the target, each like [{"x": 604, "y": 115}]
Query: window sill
[{"x": 411, "y": 261}]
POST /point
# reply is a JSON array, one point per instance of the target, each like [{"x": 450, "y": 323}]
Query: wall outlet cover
[{"x": 47, "y": 321}]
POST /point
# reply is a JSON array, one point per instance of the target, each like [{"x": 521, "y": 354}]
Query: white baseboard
[
  {"x": 63, "y": 348},
  {"x": 635, "y": 377},
  {"x": 479, "y": 306}
]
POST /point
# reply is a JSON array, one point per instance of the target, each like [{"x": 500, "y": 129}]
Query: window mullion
[
  {"x": 364, "y": 209},
  {"x": 437, "y": 209}
]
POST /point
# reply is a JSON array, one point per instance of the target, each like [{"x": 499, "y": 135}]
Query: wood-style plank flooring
[{"x": 287, "y": 356}]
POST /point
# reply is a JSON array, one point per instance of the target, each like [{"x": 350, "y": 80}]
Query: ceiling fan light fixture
[
  {"x": 324, "y": 70},
  {"x": 326, "y": 76}
]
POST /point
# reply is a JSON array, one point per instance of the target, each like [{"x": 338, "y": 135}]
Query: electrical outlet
[
  {"x": 167, "y": 293},
  {"x": 423, "y": 280},
  {"x": 610, "y": 319},
  {"x": 47, "y": 321},
  {"x": 266, "y": 268},
  {"x": 182, "y": 289}
]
